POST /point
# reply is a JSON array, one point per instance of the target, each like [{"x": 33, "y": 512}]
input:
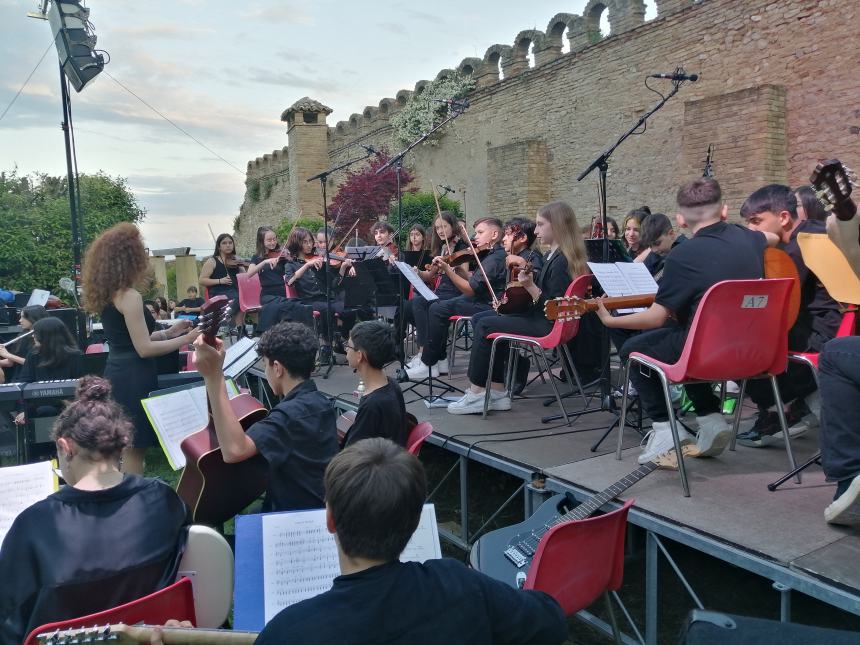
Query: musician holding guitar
[
  {"x": 477, "y": 293},
  {"x": 555, "y": 227},
  {"x": 717, "y": 251},
  {"x": 298, "y": 438}
]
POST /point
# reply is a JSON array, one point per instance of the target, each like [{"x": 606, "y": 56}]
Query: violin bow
[
  {"x": 480, "y": 266},
  {"x": 439, "y": 213},
  {"x": 345, "y": 237}
]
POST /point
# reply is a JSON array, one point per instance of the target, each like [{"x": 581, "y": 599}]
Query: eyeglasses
[{"x": 347, "y": 345}]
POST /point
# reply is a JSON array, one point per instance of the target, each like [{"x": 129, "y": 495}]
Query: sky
[{"x": 223, "y": 72}]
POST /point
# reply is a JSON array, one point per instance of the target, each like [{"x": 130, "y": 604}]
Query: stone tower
[{"x": 307, "y": 134}]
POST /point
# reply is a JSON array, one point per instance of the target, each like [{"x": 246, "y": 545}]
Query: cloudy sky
[{"x": 223, "y": 72}]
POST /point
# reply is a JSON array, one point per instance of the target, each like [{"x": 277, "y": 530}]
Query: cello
[{"x": 214, "y": 490}]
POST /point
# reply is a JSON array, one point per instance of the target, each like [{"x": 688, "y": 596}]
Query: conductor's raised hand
[{"x": 209, "y": 360}]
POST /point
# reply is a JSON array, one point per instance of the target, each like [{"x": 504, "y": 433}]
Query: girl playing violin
[{"x": 218, "y": 274}]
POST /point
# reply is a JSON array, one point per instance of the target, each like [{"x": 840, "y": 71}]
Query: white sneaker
[
  {"x": 469, "y": 403},
  {"x": 422, "y": 371},
  {"x": 714, "y": 435},
  {"x": 443, "y": 366},
  {"x": 659, "y": 440},
  {"x": 415, "y": 361},
  {"x": 845, "y": 509},
  {"x": 499, "y": 400}
]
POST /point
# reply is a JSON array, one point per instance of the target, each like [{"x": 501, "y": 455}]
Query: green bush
[
  {"x": 313, "y": 224},
  {"x": 420, "y": 208}
]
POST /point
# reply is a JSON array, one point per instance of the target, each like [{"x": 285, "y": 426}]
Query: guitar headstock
[
  {"x": 669, "y": 459},
  {"x": 833, "y": 183},
  {"x": 95, "y": 634},
  {"x": 566, "y": 308},
  {"x": 213, "y": 314}
]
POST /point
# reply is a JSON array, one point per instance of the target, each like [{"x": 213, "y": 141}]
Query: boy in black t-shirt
[
  {"x": 381, "y": 412},
  {"x": 299, "y": 436},
  {"x": 191, "y": 305},
  {"x": 717, "y": 251},
  {"x": 658, "y": 238}
]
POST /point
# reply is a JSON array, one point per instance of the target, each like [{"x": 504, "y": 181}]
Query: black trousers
[
  {"x": 665, "y": 345},
  {"x": 489, "y": 322},
  {"x": 797, "y": 381},
  {"x": 839, "y": 373},
  {"x": 279, "y": 308},
  {"x": 419, "y": 310},
  {"x": 437, "y": 330}
]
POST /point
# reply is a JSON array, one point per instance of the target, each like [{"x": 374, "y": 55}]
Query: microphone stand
[
  {"x": 323, "y": 177},
  {"x": 601, "y": 163},
  {"x": 456, "y": 109}
]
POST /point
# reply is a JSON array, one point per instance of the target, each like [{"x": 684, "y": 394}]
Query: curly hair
[
  {"x": 116, "y": 260},
  {"x": 94, "y": 420},
  {"x": 293, "y": 345}
]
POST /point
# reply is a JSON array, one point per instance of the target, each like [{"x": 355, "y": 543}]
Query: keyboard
[
  {"x": 64, "y": 389},
  {"x": 10, "y": 393}
]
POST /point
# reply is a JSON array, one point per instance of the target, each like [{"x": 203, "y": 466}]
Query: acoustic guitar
[
  {"x": 213, "y": 489},
  {"x": 833, "y": 183},
  {"x": 137, "y": 634},
  {"x": 777, "y": 264},
  {"x": 506, "y": 554}
]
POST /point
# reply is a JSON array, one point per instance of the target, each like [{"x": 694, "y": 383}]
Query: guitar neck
[{"x": 621, "y": 302}]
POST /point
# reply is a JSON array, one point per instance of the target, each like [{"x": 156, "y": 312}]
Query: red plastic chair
[
  {"x": 95, "y": 348},
  {"x": 249, "y": 292},
  {"x": 460, "y": 324},
  {"x": 739, "y": 332},
  {"x": 417, "y": 436},
  {"x": 175, "y": 601},
  {"x": 577, "y": 562},
  {"x": 558, "y": 337}
]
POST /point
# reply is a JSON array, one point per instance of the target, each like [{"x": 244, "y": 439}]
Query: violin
[
  {"x": 234, "y": 262},
  {"x": 516, "y": 299},
  {"x": 463, "y": 256},
  {"x": 279, "y": 252}
]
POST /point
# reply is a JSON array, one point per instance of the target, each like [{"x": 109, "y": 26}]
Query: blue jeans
[{"x": 839, "y": 376}]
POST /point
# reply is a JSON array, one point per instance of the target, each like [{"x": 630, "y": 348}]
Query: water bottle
[{"x": 359, "y": 391}]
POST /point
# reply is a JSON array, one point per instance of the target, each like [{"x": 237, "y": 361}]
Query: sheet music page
[
  {"x": 176, "y": 415},
  {"x": 416, "y": 281},
  {"x": 23, "y": 486},
  {"x": 611, "y": 279},
  {"x": 300, "y": 555},
  {"x": 242, "y": 360},
  {"x": 299, "y": 559},
  {"x": 638, "y": 277},
  {"x": 238, "y": 349}
]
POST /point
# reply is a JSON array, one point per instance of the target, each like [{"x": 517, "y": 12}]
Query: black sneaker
[{"x": 767, "y": 431}]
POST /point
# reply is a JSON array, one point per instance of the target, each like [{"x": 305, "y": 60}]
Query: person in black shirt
[
  {"x": 375, "y": 491},
  {"x": 556, "y": 228},
  {"x": 717, "y": 251},
  {"x": 102, "y": 540},
  {"x": 191, "y": 305},
  {"x": 381, "y": 412},
  {"x": 657, "y": 238},
  {"x": 299, "y": 436},
  {"x": 15, "y": 361},
  {"x": 475, "y": 296},
  {"x": 218, "y": 274},
  {"x": 773, "y": 209}
]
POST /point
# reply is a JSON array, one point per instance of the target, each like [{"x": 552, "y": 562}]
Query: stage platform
[{"x": 731, "y": 515}]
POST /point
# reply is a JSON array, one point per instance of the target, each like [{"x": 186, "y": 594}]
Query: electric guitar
[
  {"x": 833, "y": 183},
  {"x": 214, "y": 490},
  {"x": 138, "y": 634},
  {"x": 506, "y": 554}
]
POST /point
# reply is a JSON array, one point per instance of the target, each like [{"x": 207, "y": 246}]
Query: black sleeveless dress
[
  {"x": 229, "y": 290},
  {"x": 131, "y": 376}
]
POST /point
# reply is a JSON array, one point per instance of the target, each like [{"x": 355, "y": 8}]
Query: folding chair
[
  {"x": 561, "y": 333},
  {"x": 577, "y": 562},
  {"x": 739, "y": 332},
  {"x": 417, "y": 436},
  {"x": 249, "y": 292}
]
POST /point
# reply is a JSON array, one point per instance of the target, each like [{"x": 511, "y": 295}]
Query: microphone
[
  {"x": 447, "y": 189},
  {"x": 677, "y": 76},
  {"x": 460, "y": 104},
  {"x": 369, "y": 149}
]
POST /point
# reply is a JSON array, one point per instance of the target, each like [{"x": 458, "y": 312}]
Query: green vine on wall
[{"x": 421, "y": 112}]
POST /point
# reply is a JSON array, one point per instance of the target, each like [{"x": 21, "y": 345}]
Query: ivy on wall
[{"x": 422, "y": 112}]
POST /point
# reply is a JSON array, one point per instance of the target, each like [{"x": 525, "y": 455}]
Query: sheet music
[
  {"x": 624, "y": 279},
  {"x": 300, "y": 555},
  {"x": 240, "y": 360},
  {"x": 38, "y": 297},
  {"x": 638, "y": 277},
  {"x": 23, "y": 486},
  {"x": 176, "y": 415},
  {"x": 415, "y": 280},
  {"x": 611, "y": 279},
  {"x": 238, "y": 349}
]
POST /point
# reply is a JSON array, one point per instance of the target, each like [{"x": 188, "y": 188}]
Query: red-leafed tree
[{"x": 364, "y": 195}]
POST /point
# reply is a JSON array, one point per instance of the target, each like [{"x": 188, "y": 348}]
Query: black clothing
[
  {"x": 715, "y": 253},
  {"x": 553, "y": 280},
  {"x": 131, "y": 376},
  {"x": 279, "y": 309},
  {"x": 71, "y": 368},
  {"x": 310, "y": 286},
  {"x": 79, "y": 552},
  {"x": 271, "y": 280},
  {"x": 438, "y": 602},
  {"x": 222, "y": 271},
  {"x": 446, "y": 289},
  {"x": 839, "y": 374},
  {"x": 494, "y": 266},
  {"x": 298, "y": 439},
  {"x": 654, "y": 262},
  {"x": 382, "y": 413},
  {"x": 191, "y": 302}
]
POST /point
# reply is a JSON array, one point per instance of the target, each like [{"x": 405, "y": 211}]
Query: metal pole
[{"x": 651, "y": 572}]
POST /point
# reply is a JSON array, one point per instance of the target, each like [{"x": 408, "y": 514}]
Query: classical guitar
[
  {"x": 213, "y": 489},
  {"x": 833, "y": 183},
  {"x": 137, "y": 634},
  {"x": 777, "y": 264},
  {"x": 506, "y": 554}
]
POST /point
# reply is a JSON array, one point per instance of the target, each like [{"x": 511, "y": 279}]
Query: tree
[
  {"x": 36, "y": 239},
  {"x": 364, "y": 195},
  {"x": 421, "y": 208}
]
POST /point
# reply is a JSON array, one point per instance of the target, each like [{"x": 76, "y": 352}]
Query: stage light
[{"x": 75, "y": 41}]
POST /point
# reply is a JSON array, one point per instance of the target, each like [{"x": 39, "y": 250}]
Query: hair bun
[{"x": 93, "y": 388}]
